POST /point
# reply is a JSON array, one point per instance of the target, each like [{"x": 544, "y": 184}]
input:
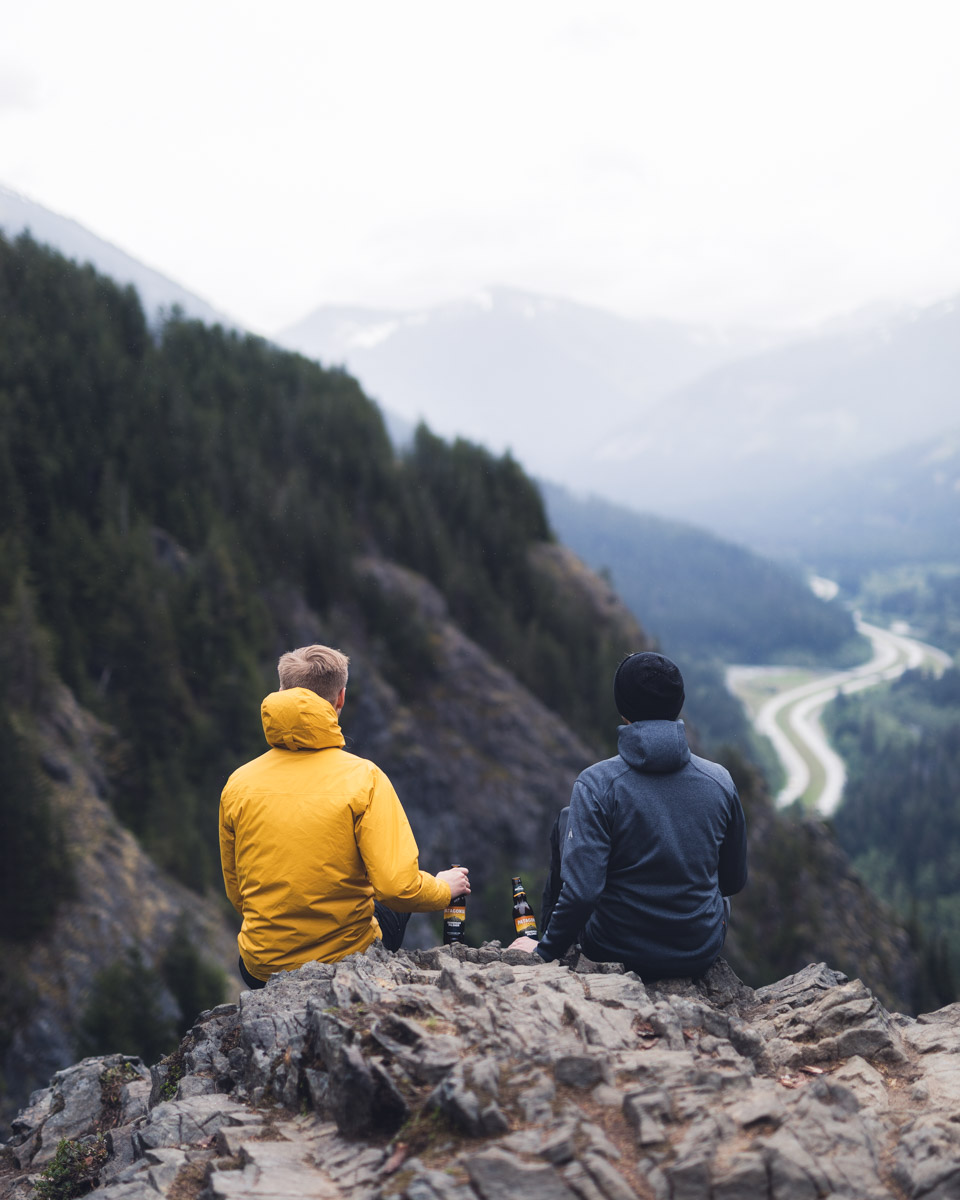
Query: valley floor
[{"x": 785, "y": 704}]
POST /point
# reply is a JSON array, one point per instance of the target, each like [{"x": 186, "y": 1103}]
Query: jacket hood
[
  {"x": 298, "y": 719},
  {"x": 657, "y": 747}
]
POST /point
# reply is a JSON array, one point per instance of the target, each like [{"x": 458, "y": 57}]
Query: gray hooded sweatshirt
[{"x": 655, "y": 839}]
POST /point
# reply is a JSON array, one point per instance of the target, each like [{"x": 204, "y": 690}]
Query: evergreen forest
[
  {"x": 711, "y": 603},
  {"x": 162, "y": 491},
  {"x": 900, "y": 820}
]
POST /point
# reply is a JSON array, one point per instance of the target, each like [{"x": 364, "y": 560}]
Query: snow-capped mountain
[
  {"x": 541, "y": 376},
  {"x": 666, "y": 418}
]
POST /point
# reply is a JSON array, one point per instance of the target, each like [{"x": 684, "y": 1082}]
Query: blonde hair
[{"x": 319, "y": 668}]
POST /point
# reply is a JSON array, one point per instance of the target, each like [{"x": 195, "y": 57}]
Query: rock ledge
[{"x": 473, "y": 1074}]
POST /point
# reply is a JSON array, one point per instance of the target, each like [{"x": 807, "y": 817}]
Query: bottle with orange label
[
  {"x": 524, "y": 920},
  {"x": 454, "y": 918}
]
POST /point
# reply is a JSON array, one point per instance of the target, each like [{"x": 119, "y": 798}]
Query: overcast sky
[{"x": 728, "y": 160}]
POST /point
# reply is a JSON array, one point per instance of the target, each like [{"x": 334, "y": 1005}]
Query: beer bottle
[
  {"x": 524, "y": 921},
  {"x": 454, "y": 918}
]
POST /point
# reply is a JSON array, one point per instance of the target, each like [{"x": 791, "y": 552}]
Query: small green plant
[
  {"x": 174, "y": 1066},
  {"x": 424, "y": 1131},
  {"x": 73, "y": 1170},
  {"x": 112, "y": 1083}
]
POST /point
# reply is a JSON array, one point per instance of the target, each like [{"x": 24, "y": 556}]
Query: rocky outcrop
[{"x": 473, "y": 1074}]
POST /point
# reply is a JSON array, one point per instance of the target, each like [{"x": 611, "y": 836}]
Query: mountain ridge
[
  {"x": 158, "y": 292},
  {"x": 669, "y": 431},
  {"x": 472, "y": 366}
]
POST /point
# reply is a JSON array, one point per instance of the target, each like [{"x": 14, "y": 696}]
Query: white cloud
[
  {"x": 736, "y": 160},
  {"x": 19, "y": 87}
]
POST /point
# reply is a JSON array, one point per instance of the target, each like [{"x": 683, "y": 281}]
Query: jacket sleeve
[
  {"x": 228, "y": 860},
  {"x": 732, "y": 861},
  {"x": 584, "y": 857},
  {"x": 390, "y": 855}
]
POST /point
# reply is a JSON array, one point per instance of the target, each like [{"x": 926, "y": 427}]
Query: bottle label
[
  {"x": 455, "y": 914},
  {"x": 524, "y": 924}
]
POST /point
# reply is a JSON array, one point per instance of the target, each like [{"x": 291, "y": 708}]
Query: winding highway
[{"x": 791, "y": 717}]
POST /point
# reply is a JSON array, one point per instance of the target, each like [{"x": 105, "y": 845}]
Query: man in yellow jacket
[{"x": 318, "y": 856}]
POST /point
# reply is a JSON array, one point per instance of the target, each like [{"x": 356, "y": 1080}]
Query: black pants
[{"x": 393, "y": 926}]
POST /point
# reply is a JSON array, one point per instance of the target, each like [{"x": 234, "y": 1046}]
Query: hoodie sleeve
[
  {"x": 732, "y": 861},
  {"x": 228, "y": 860},
  {"x": 391, "y": 857},
  {"x": 585, "y": 854},
  {"x": 551, "y": 889}
]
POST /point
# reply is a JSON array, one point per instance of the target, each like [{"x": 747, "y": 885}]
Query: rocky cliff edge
[{"x": 474, "y": 1074}]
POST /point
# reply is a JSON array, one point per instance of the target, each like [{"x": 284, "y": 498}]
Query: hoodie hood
[
  {"x": 298, "y": 719},
  {"x": 655, "y": 747}
]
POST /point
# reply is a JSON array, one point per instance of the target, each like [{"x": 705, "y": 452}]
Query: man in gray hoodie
[{"x": 653, "y": 841}]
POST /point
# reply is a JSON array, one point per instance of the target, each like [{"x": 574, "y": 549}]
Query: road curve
[{"x": 799, "y": 709}]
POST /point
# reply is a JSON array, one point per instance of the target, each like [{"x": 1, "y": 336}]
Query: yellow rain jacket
[{"x": 309, "y": 836}]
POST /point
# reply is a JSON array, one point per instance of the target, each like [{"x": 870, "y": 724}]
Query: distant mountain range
[
  {"x": 901, "y": 508},
  {"x": 796, "y": 417},
  {"x": 539, "y": 376},
  {"x": 726, "y": 430},
  {"x": 157, "y": 292}
]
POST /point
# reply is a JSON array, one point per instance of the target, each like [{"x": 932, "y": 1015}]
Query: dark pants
[{"x": 393, "y": 926}]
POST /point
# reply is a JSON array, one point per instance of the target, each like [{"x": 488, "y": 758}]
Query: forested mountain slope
[
  {"x": 900, "y": 820},
  {"x": 180, "y": 508},
  {"x": 711, "y": 603},
  {"x": 703, "y": 595}
]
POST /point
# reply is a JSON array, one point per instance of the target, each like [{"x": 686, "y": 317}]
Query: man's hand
[
  {"x": 457, "y": 880},
  {"x": 524, "y": 943}
]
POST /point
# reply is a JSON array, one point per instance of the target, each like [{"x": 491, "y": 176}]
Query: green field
[{"x": 756, "y": 690}]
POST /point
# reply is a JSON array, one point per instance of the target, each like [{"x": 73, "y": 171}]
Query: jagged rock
[
  {"x": 274, "y": 1169},
  {"x": 928, "y": 1158},
  {"x": 607, "y": 1178},
  {"x": 504, "y": 1077},
  {"x": 77, "y": 1103},
  {"x": 362, "y": 1098},
  {"x": 121, "y": 900},
  {"x": 578, "y": 1070},
  {"x": 497, "y": 1173},
  {"x": 179, "y": 1122}
]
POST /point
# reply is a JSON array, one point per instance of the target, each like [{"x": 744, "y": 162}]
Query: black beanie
[{"x": 648, "y": 687}]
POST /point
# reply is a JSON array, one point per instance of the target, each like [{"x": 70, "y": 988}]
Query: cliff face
[
  {"x": 122, "y": 903},
  {"x": 479, "y": 1073}
]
